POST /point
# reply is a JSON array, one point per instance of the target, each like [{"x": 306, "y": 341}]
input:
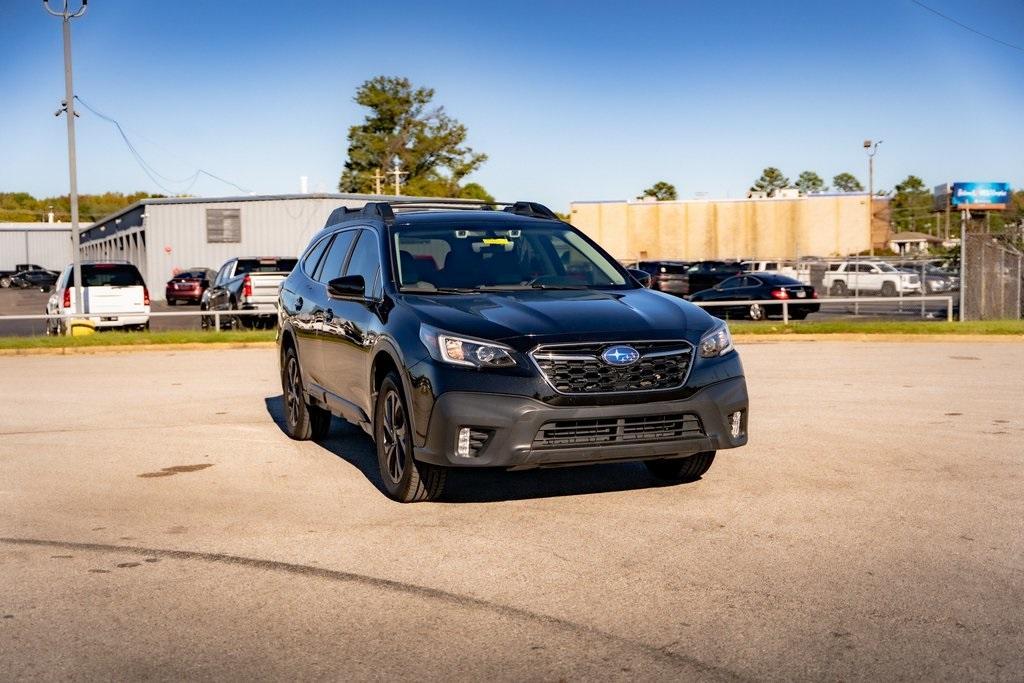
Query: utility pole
[
  {"x": 871, "y": 149},
  {"x": 377, "y": 178},
  {"x": 68, "y": 109},
  {"x": 398, "y": 173}
]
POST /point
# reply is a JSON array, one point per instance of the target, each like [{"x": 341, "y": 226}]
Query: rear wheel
[
  {"x": 302, "y": 420},
  {"x": 172, "y": 302},
  {"x": 5, "y": 281},
  {"x": 689, "y": 468},
  {"x": 405, "y": 479},
  {"x": 756, "y": 312},
  {"x": 798, "y": 315}
]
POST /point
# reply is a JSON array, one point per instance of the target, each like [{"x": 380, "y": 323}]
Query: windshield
[
  {"x": 469, "y": 257},
  {"x": 886, "y": 268}
]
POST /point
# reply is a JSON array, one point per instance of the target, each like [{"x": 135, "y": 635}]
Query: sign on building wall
[{"x": 979, "y": 196}]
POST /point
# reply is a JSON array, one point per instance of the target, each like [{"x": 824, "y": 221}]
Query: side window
[
  {"x": 221, "y": 275},
  {"x": 309, "y": 263},
  {"x": 333, "y": 263},
  {"x": 732, "y": 283},
  {"x": 365, "y": 261}
]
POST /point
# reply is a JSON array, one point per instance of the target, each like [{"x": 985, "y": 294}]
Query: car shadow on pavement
[{"x": 351, "y": 444}]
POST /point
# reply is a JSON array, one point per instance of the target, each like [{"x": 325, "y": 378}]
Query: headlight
[
  {"x": 717, "y": 342},
  {"x": 474, "y": 353}
]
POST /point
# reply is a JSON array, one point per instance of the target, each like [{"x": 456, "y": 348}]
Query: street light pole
[
  {"x": 68, "y": 108},
  {"x": 871, "y": 148}
]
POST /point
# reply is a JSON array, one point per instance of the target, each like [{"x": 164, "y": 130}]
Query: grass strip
[
  {"x": 922, "y": 327},
  {"x": 138, "y": 339}
]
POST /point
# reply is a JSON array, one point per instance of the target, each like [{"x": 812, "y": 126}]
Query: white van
[{"x": 113, "y": 293}]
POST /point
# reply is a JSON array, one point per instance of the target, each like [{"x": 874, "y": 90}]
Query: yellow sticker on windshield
[{"x": 496, "y": 240}]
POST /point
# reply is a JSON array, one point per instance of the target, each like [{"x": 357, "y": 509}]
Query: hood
[{"x": 567, "y": 315}]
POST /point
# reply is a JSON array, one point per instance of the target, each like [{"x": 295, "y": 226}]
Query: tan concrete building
[{"x": 786, "y": 228}]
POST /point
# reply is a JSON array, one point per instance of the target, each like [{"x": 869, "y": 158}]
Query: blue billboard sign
[{"x": 980, "y": 195}]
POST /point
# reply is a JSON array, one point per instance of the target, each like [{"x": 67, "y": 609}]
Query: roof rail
[
  {"x": 386, "y": 210},
  {"x": 532, "y": 209},
  {"x": 381, "y": 210}
]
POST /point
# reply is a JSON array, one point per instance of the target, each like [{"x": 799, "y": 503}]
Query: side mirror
[
  {"x": 642, "y": 276},
  {"x": 347, "y": 287}
]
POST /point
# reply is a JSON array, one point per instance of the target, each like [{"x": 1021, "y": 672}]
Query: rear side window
[
  {"x": 264, "y": 265},
  {"x": 332, "y": 264},
  {"x": 313, "y": 257},
  {"x": 108, "y": 275}
]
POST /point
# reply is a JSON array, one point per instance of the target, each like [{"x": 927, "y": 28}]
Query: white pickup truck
[
  {"x": 875, "y": 277},
  {"x": 247, "y": 284}
]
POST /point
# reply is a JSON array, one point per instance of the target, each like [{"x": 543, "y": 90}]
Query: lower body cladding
[{"x": 515, "y": 432}]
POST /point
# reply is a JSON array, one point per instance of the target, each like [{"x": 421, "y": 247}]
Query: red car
[{"x": 188, "y": 286}]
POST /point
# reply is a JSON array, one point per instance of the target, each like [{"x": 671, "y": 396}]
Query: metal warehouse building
[
  {"x": 44, "y": 244},
  {"x": 164, "y": 236}
]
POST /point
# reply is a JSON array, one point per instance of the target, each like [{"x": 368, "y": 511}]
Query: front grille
[
  {"x": 613, "y": 430},
  {"x": 579, "y": 369}
]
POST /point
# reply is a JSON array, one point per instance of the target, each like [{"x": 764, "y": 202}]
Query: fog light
[
  {"x": 736, "y": 424},
  {"x": 462, "y": 448}
]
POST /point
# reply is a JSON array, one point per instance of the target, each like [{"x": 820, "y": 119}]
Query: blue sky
[{"x": 571, "y": 100}]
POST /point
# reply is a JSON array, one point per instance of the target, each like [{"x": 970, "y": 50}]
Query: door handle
[
  {"x": 329, "y": 315},
  {"x": 298, "y": 303}
]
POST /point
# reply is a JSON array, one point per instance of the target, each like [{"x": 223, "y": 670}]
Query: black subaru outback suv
[{"x": 469, "y": 335}]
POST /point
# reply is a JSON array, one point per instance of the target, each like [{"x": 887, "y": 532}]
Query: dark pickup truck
[
  {"x": 246, "y": 284},
  {"x": 7, "y": 276},
  {"x": 501, "y": 338}
]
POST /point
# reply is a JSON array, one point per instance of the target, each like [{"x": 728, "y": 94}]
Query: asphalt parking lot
[
  {"x": 155, "y": 522},
  {"x": 33, "y": 302}
]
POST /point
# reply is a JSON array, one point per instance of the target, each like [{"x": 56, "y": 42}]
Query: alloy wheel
[
  {"x": 756, "y": 312},
  {"x": 293, "y": 396},
  {"x": 395, "y": 428}
]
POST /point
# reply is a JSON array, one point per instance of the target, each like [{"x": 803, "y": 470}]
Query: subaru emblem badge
[{"x": 620, "y": 355}]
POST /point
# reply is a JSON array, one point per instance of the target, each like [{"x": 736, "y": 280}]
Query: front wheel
[
  {"x": 888, "y": 289},
  {"x": 404, "y": 479},
  {"x": 689, "y": 468},
  {"x": 5, "y": 281},
  {"x": 839, "y": 288}
]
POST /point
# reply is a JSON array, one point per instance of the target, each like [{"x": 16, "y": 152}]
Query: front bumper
[{"x": 513, "y": 423}]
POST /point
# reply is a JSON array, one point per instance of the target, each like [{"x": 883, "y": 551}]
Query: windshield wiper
[
  {"x": 439, "y": 290},
  {"x": 543, "y": 286}
]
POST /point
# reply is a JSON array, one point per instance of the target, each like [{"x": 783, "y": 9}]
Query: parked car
[
  {"x": 801, "y": 299},
  {"x": 246, "y": 284},
  {"x": 706, "y": 274},
  {"x": 7, "y": 276},
  {"x": 188, "y": 286},
  {"x": 769, "y": 267},
  {"x": 36, "y": 278},
  {"x": 872, "y": 277},
  {"x": 509, "y": 339},
  {"x": 666, "y": 276},
  {"x": 936, "y": 279},
  {"x": 113, "y": 293}
]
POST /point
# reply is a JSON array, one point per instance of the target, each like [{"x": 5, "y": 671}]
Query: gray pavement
[{"x": 156, "y": 523}]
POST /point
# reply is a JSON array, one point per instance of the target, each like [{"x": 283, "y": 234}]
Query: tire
[
  {"x": 888, "y": 289},
  {"x": 5, "y": 281},
  {"x": 798, "y": 316},
  {"x": 839, "y": 288},
  {"x": 757, "y": 312},
  {"x": 172, "y": 302},
  {"x": 404, "y": 479},
  {"x": 302, "y": 420},
  {"x": 689, "y": 468}
]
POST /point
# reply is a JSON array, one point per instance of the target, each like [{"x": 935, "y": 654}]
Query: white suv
[
  {"x": 869, "y": 276},
  {"x": 113, "y": 293}
]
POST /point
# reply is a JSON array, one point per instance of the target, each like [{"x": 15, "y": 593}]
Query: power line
[
  {"x": 148, "y": 169},
  {"x": 965, "y": 26}
]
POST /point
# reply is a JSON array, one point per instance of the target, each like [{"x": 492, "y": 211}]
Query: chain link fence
[{"x": 992, "y": 279}]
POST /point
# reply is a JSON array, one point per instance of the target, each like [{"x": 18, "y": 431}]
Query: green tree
[
  {"x": 912, "y": 206},
  {"x": 403, "y": 125},
  {"x": 809, "y": 182},
  {"x": 23, "y": 207},
  {"x": 847, "y": 182},
  {"x": 770, "y": 182},
  {"x": 661, "y": 191},
  {"x": 475, "y": 191}
]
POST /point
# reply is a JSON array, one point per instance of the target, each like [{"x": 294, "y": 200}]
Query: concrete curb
[{"x": 131, "y": 348}]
